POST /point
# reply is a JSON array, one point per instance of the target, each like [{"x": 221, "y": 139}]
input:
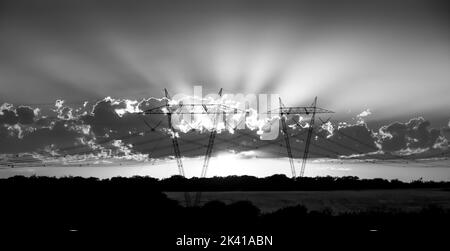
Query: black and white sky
[{"x": 391, "y": 58}]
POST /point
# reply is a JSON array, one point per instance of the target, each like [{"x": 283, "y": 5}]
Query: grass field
[{"x": 337, "y": 201}]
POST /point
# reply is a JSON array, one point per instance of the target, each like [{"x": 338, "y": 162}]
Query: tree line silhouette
[
  {"x": 277, "y": 182},
  {"x": 137, "y": 207}
]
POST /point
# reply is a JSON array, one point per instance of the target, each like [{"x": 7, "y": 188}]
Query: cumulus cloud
[
  {"x": 360, "y": 117},
  {"x": 357, "y": 138},
  {"x": 22, "y": 114},
  {"x": 25, "y": 115},
  {"x": 110, "y": 117},
  {"x": 446, "y": 133},
  {"x": 364, "y": 113},
  {"x": 23, "y": 129},
  {"x": 8, "y": 117},
  {"x": 414, "y": 134},
  {"x": 58, "y": 136},
  {"x": 112, "y": 128}
]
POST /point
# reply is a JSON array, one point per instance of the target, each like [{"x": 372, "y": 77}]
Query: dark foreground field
[
  {"x": 136, "y": 212},
  {"x": 336, "y": 201}
]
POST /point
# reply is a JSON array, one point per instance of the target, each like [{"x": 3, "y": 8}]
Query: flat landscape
[
  {"x": 338, "y": 201},
  {"x": 225, "y": 165}
]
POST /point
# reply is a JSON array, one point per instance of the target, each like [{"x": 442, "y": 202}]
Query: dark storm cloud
[
  {"x": 112, "y": 128},
  {"x": 25, "y": 115},
  {"x": 446, "y": 132},
  {"x": 8, "y": 117},
  {"x": 60, "y": 135},
  {"x": 357, "y": 139},
  {"x": 104, "y": 118},
  {"x": 23, "y": 130},
  {"x": 413, "y": 134},
  {"x": 114, "y": 117},
  {"x": 85, "y": 129},
  {"x": 22, "y": 114}
]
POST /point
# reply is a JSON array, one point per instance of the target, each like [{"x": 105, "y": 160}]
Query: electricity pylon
[
  {"x": 284, "y": 111},
  {"x": 209, "y": 149},
  {"x": 308, "y": 138},
  {"x": 217, "y": 109},
  {"x": 175, "y": 144},
  {"x": 211, "y": 141},
  {"x": 286, "y": 138}
]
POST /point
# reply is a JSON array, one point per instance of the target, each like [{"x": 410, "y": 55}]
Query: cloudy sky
[{"x": 388, "y": 58}]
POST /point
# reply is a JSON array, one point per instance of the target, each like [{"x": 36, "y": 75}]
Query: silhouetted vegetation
[
  {"x": 234, "y": 183},
  {"x": 137, "y": 207}
]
